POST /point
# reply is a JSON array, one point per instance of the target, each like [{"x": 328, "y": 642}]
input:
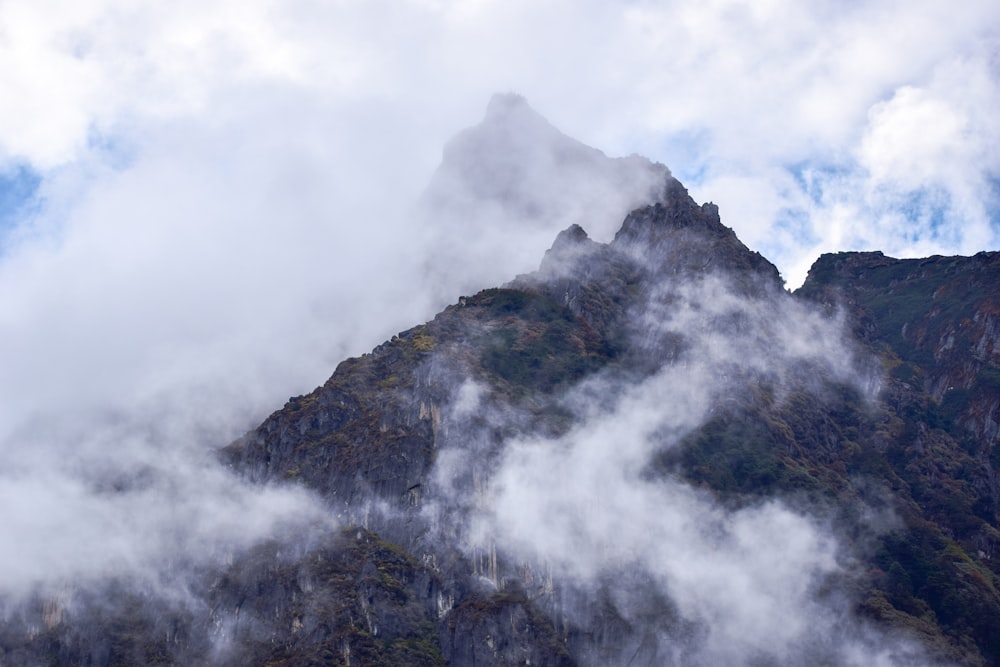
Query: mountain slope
[{"x": 779, "y": 428}]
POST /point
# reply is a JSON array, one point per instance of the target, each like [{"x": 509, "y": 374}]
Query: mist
[
  {"x": 121, "y": 483},
  {"x": 162, "y": 321},
  {"x": 606, "y": 533},
  {"x": 155, "y": 323},
  {"x": 218, "y": 203}
]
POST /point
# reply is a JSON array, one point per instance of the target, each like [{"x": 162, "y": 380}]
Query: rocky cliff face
[
  {"x": 932, "y": 322},
  {"x": 939, "y": 316},
  {"x": 644, "y": 452}
]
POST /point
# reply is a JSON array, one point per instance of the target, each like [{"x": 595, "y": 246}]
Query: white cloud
[
  {"x": 586, "y": 508},
  {"x": 223, "y": 184},
  {"x": 913, "y": 140},
  {"x": 783, "y": 87}
]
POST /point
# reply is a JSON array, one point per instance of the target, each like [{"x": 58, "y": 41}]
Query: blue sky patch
[
  {"x": 18, "y": 188},
  {"x": 686, "y": 153},
  {"x": 795, "y": 224},
  {"x": 812, "y": 176}
]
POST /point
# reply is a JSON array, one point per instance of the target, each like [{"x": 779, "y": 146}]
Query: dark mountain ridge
[{"x": 858, "y": 417}]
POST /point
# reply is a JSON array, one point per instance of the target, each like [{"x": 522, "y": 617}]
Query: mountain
[
  {"x": 508, "y": 185},
  {"x": 646, "y": 451}
]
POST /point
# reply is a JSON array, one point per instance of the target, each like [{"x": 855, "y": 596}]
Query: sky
[
  {"x": 816, "y": 128},
  {"x": 204, "y": 206}
]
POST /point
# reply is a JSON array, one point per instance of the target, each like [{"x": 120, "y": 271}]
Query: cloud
[
  {"x": 765, "y": 89},
  {"x": 912, "y": 139},
  {"x": 155, "y": 311},
  {"x": 774, "y": 89},
  {"x": 509, "y": 185},
  {"x": 143, "y": 516},
  {"x": 742, "y": 586},
  {"x": 223, "y": 201}
]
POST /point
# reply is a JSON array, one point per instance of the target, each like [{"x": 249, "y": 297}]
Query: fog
[
  {"x": 134, "y": 351},
  {"x": 128, "y": 386},
  {"x": 608, "y": 535},
  {"x": 157, "y": 324},
  {"x": 215, "y": 203}
]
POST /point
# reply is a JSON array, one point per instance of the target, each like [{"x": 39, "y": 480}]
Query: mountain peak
[
  {"x": 507, "y": 185},
  {"x": 677, "y": 234},
  {"x": 504, "y": 104},
  {"x": 517, "y": 159},
  {"x": 571, "y": 236},
  {"x": 654, "y": 405}
]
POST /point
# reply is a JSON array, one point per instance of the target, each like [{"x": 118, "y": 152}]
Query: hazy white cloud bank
[
  {"x": 223, "y": 190},
  {"x": 790, "y": 116},
  {"x": 814, "y": 126}
]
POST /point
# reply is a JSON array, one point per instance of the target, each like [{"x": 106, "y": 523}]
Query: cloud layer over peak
[{"x": 207, "y": 205}]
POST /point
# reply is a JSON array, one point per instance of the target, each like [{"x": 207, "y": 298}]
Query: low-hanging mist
[
  {"x": 185, "y": 360},
  {"x": 753, "y": 585},
  {"x": 646, "y": 451}
]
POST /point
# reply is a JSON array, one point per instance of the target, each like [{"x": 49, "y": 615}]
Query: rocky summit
[{"x": 645, "y": 452}]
